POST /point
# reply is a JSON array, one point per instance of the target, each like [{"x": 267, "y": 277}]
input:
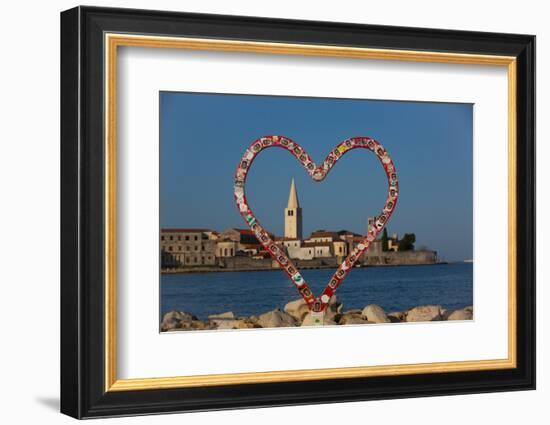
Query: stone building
[
  {"x": 320, "y": 249},
  {"x": 232, "y": 242},
  {"x": 393, "y": 243},
  {"x": 328, "y": 244},
  {"x": 225, "y": 247},
  {"x": 340, "y": 248},
  {"x": 295, "y": 248},
  {"x": 323, "y": 236},
  {"x": 187, "y": 247}
]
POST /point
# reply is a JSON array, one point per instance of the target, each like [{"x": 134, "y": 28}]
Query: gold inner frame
[{"x": 113, "y": 41}]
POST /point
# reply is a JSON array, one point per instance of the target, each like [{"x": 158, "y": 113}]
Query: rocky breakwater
[{"x": 296, "y": 313}]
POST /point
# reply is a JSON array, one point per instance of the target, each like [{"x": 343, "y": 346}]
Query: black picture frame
[{"x": 83, "y": 392}]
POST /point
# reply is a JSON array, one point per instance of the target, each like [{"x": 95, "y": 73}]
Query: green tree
[
  {"x": 385, "y": 240},
  {"x": 407, "y": 242}
]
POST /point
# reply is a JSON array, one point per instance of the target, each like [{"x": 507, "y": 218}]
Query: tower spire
[
  {"x": 293, "y": 215},
  {"x": 293, "y": 197}
]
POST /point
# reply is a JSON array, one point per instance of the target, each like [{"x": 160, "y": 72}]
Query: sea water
[{"x": 394, "y": 288}]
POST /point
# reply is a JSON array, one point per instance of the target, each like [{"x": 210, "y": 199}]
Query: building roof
[
  {"x": 251, "y": 245},
  {"x": 242, "y": 235},
  {"x": 324, "y": 234},
  {"x": 245, "y": 232},
  {"x": 284, "y": 238},
  {"x": 241, "y": 231},
  {"x": 347, "y": 232},
  {"x": 357, "y": 239},
  {"x": 293, "y": 197},
  {"x": 180, "y": 230}
]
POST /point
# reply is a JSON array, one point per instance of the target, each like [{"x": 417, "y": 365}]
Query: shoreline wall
[
  {"x": 239, "y": 264},
  {"x": 400, "y": 258}
]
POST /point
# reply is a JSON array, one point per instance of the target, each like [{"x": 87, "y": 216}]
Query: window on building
[
  {"x": 195, "y": 259},
  {"x": 169, "y": 248},
  {"x": 202, "y": 248},
  {"x": 171, "y": 238},
  {"x": 186, "y": 238},
  {"x": 225, "y": 252},
  {"x": 196, "y": 238},
  {"x": 179, "y": 238},
  {"x": 162, "y": 238},
  {"x": 231, "y": 251},
  {"x": 196, "y": 248}
]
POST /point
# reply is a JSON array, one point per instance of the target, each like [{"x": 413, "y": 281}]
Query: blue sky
[{"x": 204, "y": 135}]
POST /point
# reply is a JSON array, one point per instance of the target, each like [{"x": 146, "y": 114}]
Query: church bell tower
[{"x": 293, "y": 215}]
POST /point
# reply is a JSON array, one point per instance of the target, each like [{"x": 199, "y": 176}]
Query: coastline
[{"x": 210, "y": 269}]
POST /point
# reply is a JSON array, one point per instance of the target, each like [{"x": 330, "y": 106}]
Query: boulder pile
[{"x": 296, "y": 313}]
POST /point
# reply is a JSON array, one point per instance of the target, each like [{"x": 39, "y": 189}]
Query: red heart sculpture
[{"x": 318, "y": 173}]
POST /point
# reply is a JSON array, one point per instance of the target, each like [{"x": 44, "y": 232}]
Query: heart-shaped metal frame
[{"x": 317, "y": 173}]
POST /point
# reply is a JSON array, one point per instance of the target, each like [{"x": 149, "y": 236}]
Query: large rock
[
  {"x": 350, "y": 315},
  {"x": 222, "y": 316},
  {"x": 201, "y": 325},
  {"x": 175, "y": 320},
  {"x": 335, "y": 306},
  {"x": 311, "y": 320},
  {"x": 228, "y": 320},
  {"x": 297, "y": 309},
  {"x": 253, "y": 319},
  {"x": 375, "y": 313},
  {"x": 225, "y": 320},
  {"x": 424, "y": 313},
  {"x": 352, "y": 319},
  {"x": 356, "y": 311},
  {"x": 460, "y": 315},
  {"x": 246, "y": 323},
  {"x": 396, "y": 316},
  {"x": 276, "y": 319},
  {"x": 196, "y": 325}
]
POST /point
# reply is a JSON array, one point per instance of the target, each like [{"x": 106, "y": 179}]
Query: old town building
[
  {"x": 187, "y": 247},
  {"x": 183, "y": 248}
]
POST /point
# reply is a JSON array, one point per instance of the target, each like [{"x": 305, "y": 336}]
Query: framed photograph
[{"x": 261, "y": 212}]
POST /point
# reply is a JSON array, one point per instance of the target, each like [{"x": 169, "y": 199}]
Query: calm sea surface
[{"x": 248, "y": 293}]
